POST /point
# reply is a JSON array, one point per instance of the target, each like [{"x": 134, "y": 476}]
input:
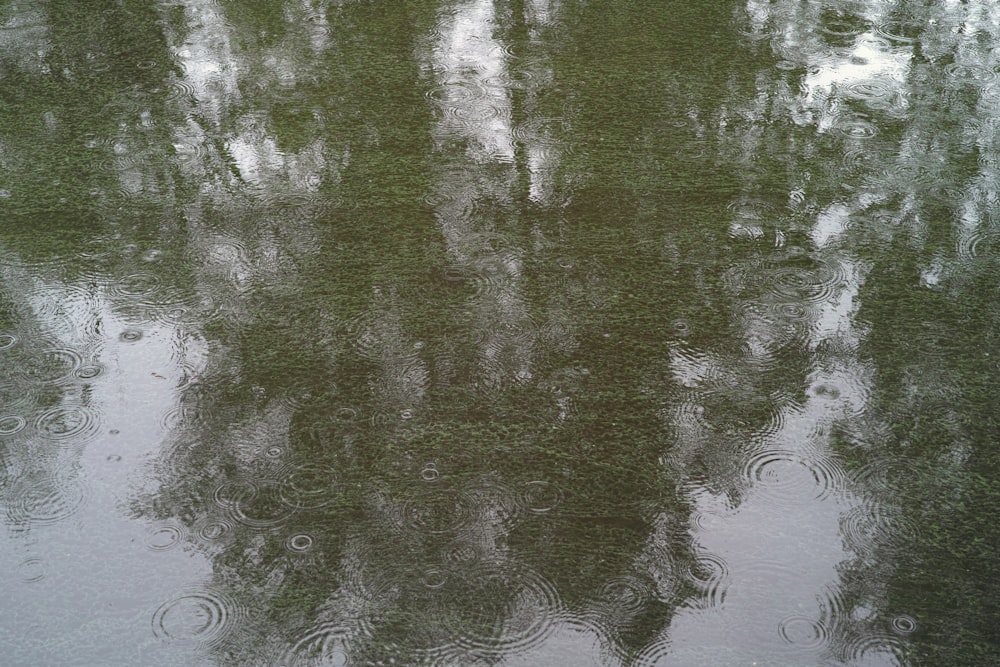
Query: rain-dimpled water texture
[{"x": 468, "y": 332}]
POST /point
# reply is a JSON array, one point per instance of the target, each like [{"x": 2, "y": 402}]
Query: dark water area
[{"x": 500, "y": 332}]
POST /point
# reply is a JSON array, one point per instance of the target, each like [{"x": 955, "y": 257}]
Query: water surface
[{"x": 499, "y": 332}]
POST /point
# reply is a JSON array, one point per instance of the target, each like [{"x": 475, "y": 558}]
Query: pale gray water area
[{"x": 500, "y": 332}]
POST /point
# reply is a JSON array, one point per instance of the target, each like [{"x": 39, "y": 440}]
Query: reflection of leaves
[
  {"x": 934, "y": 398},
  {"x": 554, "y": 472}
]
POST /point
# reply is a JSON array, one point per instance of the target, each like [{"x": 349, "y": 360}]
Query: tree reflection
[
  {"x": 894, "y": 97},
  {"x": 447, "y": 463},
  {"x": 475, "y": 325}
]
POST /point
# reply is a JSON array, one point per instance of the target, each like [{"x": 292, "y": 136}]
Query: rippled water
[{"x": 500, "y": 333}]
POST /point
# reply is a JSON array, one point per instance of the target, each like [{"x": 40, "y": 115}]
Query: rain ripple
[
  {"x": 903, "y": 624},
  {"x": 787, "y": 477},
  {"x": 214, "y": 529},
  {"x": 261, "y": 506},
  {"x": 710, "y": 575},
  {"x": 53, "y": 366},
  {"x": 181, "y": 416},
  {"x": 221, "y": 250},
  {"x": 328, "y": 644},
  {"x": 301, "y": 395},
  {"x": 491, "y": 503},
  {"x": 626, "y": 594},
  {"x": 813, "y": 284},
  {"x": 761, "y": 578},
  {"x": 844, "y": 25},
  {"x": 201, "y": 616},
  {"x": 45, "y": 499},
  {"x": 470, "y": 107},
  {"x": 755, "y": 30},
  {"x": 803, "y": 632},
  {"x": 430, "y": 473},
  {"x": 969, "y": 74},
  {"x": 298, "y": 206},
  {"x": 299, "y": 543},
  {"x": 494, "y": 271},
  {"x": 134, "y": 285},
  {"x": 855, "y": 127},
  {"x": 885, "y": 477},
  {"x": 791, "y": 311},
  {"x": 180, "y": 91},
  {"x": 540, "y": 496},
  {"x": 437, "y": 511},
  {"x": 130, "y": 335},
  {"x": 89, "y": 371},
  {"x": 981, "y": 242},
  {"x": 309, "y": 486},
  {"x": 11, "y": 424},
  {"x": 902, "y": 31},
  {"x": 18, "y": 397},
  {"x": 875, "y": 649},
  {"x": 876, "y": 92},
  {"x": 458, "y": 92},
  {"x": 516, "y": 609},
  {"x": 872, "y": 526},
  {"x": 32, "y": 569},
  {"x": 167, "y": 536},
  {"x": 73, "y": 422}
]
